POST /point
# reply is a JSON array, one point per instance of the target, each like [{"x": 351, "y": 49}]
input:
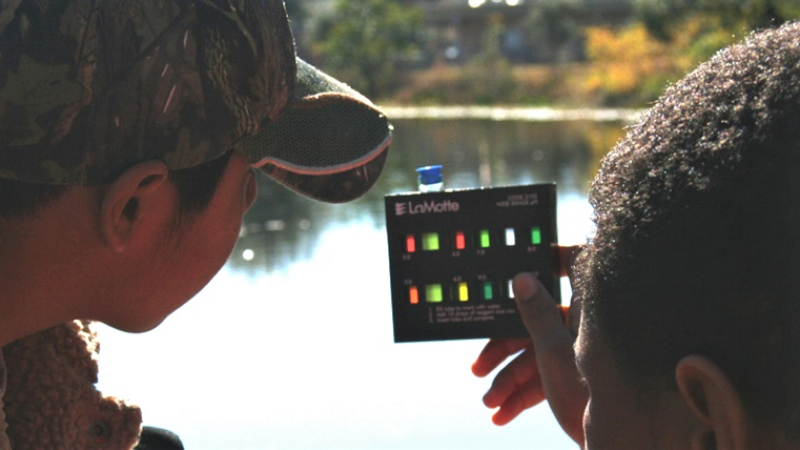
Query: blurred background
[
  {"x": 290, "y": 346},
  {"x": 582, "y": 53}
]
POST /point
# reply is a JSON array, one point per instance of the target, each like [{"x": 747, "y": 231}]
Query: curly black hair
[{"x": 697, "y": 242}]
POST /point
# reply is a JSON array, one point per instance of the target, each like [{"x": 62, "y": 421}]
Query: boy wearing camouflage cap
[{"x": 130, "y": 132}]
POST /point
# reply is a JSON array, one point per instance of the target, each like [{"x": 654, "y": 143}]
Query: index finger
[{"x": 495, "y": 352}]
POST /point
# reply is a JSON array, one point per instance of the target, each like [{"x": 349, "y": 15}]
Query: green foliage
[
  {"x": 633, "y": 64},
  {"x": 363, "y": 40},
  {"x": 487, "y": 78},
  {"x": 376, "y": 44},
  {"x": 295, "y": 10},
  {"x": 628, "y": 66},
  {"x": 489, "y": 75},
  {"x": 661, "y": 16},
  {"x": 555, "y": 22}
]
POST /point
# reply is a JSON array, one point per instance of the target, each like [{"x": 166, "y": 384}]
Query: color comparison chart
[{"x": 453, "y": 254}]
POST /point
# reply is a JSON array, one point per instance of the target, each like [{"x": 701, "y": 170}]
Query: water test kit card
[{"x": 453, "y": 254}]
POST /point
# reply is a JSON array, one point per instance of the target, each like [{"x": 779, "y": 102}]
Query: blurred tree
[
  {"x": 554, "y": 22},
  {"x": 489, "y": 76},
  {"x": 363, "y": 40},
  {"x": 298, "y": 16},
  {"x": 631, "y": 66},
  {"x": 661, "y": 16},
  {"x": 697, "y": 29},
  {"x": 295, "y": 10},
  {"x": 628, "y": 65}
]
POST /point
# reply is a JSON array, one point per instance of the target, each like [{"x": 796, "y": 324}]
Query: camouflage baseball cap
[{"x": 89, "y": 88}]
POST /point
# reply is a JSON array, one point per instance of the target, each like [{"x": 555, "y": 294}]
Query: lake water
[{"x": 290, "y": 346}]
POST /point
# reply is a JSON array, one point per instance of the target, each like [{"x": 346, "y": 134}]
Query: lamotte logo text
[{"x": 429, "y": 207}]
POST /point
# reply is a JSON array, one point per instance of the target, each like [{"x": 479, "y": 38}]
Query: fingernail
[{"x": 525, "y": 286}]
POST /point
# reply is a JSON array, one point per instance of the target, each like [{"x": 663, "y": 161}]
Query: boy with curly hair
[{"x": 690, "y": 286}]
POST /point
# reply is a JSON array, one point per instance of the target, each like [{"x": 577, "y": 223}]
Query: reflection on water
[
  {"x": 290, "y": 346},
  {"x": 283, "y": 227}
]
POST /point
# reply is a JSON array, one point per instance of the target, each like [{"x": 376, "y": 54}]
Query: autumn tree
[{"x": 661, "y": 16}]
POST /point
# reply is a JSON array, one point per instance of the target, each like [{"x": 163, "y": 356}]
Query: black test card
[{"x": 453, "y": 254}]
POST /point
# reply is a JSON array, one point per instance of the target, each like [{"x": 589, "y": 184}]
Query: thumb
[
  {"x": 555, "y": 356},
  {"x": 540, "y": 313}
]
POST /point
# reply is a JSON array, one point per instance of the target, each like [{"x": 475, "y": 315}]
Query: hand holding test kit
[{"x": 453, "y": 254}]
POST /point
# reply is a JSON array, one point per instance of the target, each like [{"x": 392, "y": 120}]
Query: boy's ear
[
  {"x": 715, "y": 403},
  {"x": 124, "y": 199}
]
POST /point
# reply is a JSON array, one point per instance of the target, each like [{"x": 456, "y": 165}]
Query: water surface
[{"x": 290, "y": 346}]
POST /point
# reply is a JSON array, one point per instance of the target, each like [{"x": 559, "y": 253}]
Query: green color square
[
  {"x": 430, "y": 242},
  {"x": 486, "y": 242},
  {"x": 433, "y": 293},
  {"x": 536, "y": 236},
  {"x": 488, "y": 291}
]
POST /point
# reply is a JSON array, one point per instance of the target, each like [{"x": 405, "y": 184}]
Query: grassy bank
[
  {"x": 625, "y": 67},
  {"x": 571, "y": 85},
  {"x": 496, "y": 85}
]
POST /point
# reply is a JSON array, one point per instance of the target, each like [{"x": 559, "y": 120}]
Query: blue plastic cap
[{"x": 430, "y": 174}]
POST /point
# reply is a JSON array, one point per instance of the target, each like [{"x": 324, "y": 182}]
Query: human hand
[{"x": 545, "y": 369}]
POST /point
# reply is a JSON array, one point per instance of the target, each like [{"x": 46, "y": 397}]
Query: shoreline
[{"x": 518, "y": 113}]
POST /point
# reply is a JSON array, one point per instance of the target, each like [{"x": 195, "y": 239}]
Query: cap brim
[{"x": 329, "y": 143}]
